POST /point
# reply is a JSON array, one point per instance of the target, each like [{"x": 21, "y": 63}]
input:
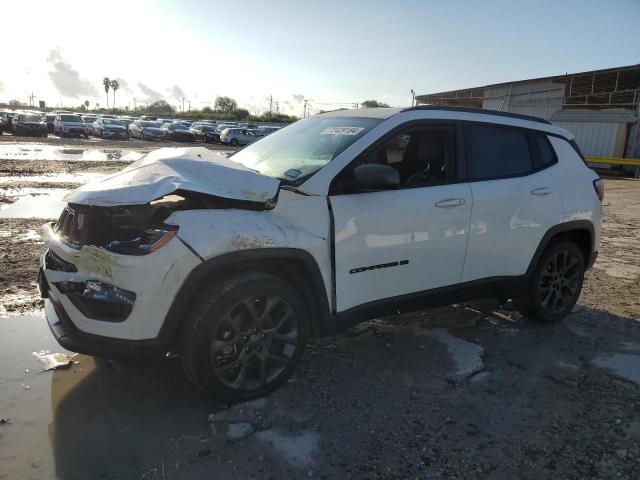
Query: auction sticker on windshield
[{"x": 342, "y": 131}]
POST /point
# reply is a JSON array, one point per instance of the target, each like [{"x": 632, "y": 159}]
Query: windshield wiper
[{"x": 291, "y": 187}]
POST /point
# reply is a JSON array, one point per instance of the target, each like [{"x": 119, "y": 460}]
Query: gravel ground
[{"x": 466, "y": 392}]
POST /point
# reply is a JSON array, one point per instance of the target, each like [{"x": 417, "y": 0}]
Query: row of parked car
[{"x": 67, "y": 124}]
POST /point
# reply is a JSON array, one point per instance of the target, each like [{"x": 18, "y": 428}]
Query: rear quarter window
[
  {"x": 496, "y": 152},
  {"x": 546, "y": 154}
]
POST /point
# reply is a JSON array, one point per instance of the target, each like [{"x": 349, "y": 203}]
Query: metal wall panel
[{"x": 595, "y": 139}]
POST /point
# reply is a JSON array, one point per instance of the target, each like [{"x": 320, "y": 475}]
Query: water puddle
[
  {"x": 622, "y": 364},
  {"x": 79, "y": 178},
  {"x": 50, "y": 152},
  {"x": 32, "y": 202}
]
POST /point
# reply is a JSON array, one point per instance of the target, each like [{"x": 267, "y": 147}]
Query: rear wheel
[
  {"x": 234, "y": 142},
  {"x": 245, "y": 337},
  {"x": 556, "y": 283}
]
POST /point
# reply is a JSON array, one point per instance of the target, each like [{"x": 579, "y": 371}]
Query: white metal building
[{"x": 601, "y": 107}]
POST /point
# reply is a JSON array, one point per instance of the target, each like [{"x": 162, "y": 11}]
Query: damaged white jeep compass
[{"x": 235, "y": 261}]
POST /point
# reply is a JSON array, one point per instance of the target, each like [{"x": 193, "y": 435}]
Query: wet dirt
[
  {"x": 20, "y": 250},
  {"x": 487, "y": 395}
]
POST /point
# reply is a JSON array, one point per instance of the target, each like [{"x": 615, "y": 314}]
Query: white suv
[{"x": 236, "y": 261}]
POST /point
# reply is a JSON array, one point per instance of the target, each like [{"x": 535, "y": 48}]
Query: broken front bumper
[{"x": 98, "y": 300}]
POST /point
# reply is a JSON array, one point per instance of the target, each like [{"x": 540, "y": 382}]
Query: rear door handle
[
  {"x": 541, "y": 191},
  {"x": 450, "y": 202}
]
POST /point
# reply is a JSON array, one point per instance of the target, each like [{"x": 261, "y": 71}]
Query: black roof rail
[{"x": 479, "y": 110}]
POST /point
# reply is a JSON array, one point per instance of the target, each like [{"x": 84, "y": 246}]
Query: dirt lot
[{"x": 467, "y": 392}]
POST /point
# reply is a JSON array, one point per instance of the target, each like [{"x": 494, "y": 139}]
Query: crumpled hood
[{"x": 166, "y": 170}]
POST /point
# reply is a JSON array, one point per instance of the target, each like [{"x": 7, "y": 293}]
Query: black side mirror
[{"x": 376, "y": 176}]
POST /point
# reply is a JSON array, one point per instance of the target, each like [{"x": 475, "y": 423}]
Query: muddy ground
[{"x": 472, "y": 392}]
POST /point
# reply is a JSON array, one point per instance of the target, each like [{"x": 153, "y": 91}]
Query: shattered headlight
[{"x": 148, "y": 241}]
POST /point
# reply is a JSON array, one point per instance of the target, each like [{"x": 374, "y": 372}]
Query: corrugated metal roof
[{"x": 553, "y": 77}]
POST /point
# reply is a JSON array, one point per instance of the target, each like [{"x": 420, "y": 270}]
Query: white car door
[
  {"x": 515, "y": 199},
  {"x": 412, "y": 239}
]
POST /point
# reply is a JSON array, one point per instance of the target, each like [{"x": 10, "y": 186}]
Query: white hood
[{"x": 166, "y": 170}]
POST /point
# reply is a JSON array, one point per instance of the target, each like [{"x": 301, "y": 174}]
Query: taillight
[{"x": 599, "y": 187}]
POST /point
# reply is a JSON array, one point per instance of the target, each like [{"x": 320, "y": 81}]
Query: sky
[{"x": 331, "y": 53}]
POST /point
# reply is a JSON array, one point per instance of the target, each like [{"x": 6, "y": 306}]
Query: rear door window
[{"x": 497, "y": 152}]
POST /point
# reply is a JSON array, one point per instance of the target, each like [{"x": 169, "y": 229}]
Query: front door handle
[
  {"x": 450, "y": 202},
  {"x": 541, "y": 191}
]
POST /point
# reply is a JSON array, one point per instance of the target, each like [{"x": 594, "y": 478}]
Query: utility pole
[
  {"x": 304, "y": 114},
  {"x": 134, "y": 105},
  {"x": 31, "y": 98},
  {"x": 189, "y": 102},
  {"x": 413, "y": 97},
  {"x": 270, "y": 104},
  {"x": 182, "y": 104}
]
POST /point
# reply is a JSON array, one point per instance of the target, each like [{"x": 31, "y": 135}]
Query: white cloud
[
  {"x": 149, "y": 92},
  {"x": 176, "y": 92},
  {"x": 66, "y": 79}
]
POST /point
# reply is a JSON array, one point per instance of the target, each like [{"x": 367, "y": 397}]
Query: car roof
[{"x": 456, "y": 113}]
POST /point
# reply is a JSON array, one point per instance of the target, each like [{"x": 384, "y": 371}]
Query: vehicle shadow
[
  {"x": 110, "y": 419},
  {"x": 113, "y": 420}
]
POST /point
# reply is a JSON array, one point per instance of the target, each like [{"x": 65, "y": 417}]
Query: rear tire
[
  {"x": 555, "y": 284},
  {"x": 244, "y": 337},
  {"x": 233, "y": 142}
]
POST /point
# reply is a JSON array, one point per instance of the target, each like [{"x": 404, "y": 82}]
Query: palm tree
[
  {"x": 115, "y": 85},
  {"x": 86, "y": 104},
  {"x": 107, "y": 84}
]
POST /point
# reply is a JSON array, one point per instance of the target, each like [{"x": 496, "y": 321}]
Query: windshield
[
  {"x": 149, "y": 124},
  {"x": 107, "y": 121},
  {"x": 301, "y": 149},
  {"x": 89, "y": 119},
  {"x": 70, "y": 118},
  {"x": 30, "y": 118},
  {"x": 178, "y": 126}
]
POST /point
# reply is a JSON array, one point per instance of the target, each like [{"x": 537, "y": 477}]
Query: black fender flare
[
  {"x": 569, "y": 226},
  {"x": 208, "y": 268}
]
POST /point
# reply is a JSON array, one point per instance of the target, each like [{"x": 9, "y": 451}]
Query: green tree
[
  {"x": 373, "y": 104},
  {"x": 207, "y": 110},
  {"x": 107, "y": 84},
  {"x": 160, "y": 106},
  {"x": 115, "y": 85},
  {"x": 15, "y": 103},
  {"x": 225, "y": 104},
  {"x": 240, "y": 113}
]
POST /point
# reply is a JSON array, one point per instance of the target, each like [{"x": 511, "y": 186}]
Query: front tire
[
  {"x": 555, "y": 284},
  {"x": 244, "y": 336}
]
